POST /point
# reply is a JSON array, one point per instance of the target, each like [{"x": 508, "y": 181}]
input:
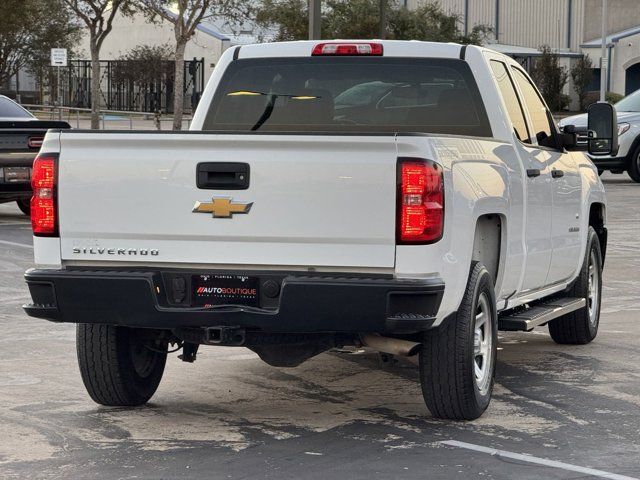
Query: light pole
[
  {"x": 604, "y": 61},
  {"x": 314, "y": 20}
]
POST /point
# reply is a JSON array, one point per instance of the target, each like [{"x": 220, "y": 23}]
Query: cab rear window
[{"x": 349, "y": 95}]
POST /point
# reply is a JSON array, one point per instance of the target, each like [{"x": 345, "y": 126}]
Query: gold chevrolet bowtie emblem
[{"x": 222, "y": 207}]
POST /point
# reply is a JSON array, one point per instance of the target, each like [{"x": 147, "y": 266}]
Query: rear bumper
[
  {"x": 304, "y": 303},
  {"x": 15, "y": 190},
  {"x": 17, "y": 159}
]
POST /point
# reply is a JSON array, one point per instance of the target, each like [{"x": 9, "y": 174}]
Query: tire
[
  {"x": 581, "y": 327},
  {"x": 116, "y": 366},
  {"x": 634, "y": 166},
  {"x": 449, "y": 360},
  {"x": 24, "y": 204}
]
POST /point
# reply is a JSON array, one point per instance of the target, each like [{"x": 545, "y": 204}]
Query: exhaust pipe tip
[{"x": 392, "y": 346}]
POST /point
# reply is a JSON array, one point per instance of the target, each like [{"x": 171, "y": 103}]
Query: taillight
[
  {"x": 35, "y": 142},
  {"x": 420, "y": 201},
  {"x": 43, "y": 202},
  {"x": 347, "y": 48}
]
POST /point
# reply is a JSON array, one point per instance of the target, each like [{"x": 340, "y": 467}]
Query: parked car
[
  {"x": 628, "y": 157},
  {"x": 21, "y": 136},
  {"x": 283, "y": 225}
]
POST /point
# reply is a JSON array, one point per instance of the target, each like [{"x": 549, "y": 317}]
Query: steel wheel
[{"x": 482, "y": 345}]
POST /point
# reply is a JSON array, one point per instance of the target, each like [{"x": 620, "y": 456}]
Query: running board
[{"x": 539, "y": 314}]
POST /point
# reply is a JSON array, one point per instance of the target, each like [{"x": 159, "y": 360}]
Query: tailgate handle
[{"x": 222, "y": 176}]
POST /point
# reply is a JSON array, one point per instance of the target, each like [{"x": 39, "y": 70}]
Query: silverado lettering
[{"x": 114, "y": 251}]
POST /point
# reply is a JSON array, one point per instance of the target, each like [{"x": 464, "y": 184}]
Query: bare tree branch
[{"x": 98, "y": 16}]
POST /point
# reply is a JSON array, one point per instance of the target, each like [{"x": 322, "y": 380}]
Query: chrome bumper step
[{"x": 525, "y": 320}]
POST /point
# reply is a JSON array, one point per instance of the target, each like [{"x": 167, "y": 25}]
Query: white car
[
  {"x": 416, "y": 224},
  {"x": 627, "y": 158}
]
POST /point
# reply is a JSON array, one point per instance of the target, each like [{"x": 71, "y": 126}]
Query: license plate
[
  {"x": 210, "y": 290},
  {"x": 17, "y": 174}
]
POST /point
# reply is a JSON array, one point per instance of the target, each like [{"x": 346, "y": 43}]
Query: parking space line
[
  {"x": 536, "y": 460},
  {"x": 15, "y": 244}
]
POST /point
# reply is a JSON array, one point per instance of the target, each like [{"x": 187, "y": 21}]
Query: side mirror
[
  {"x": 602, "y": 129},
  {"x": 568, "y": 137}
]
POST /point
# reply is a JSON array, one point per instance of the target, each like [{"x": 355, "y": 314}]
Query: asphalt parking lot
[{"x": 574, "y": 412}]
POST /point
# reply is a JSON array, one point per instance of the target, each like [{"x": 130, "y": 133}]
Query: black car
[{"x": 21, "y": 136}]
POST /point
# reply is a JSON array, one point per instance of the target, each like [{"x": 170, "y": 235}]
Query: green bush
[
  {"x": 612, "y": 97},
  {"x": 594, "y": 96},
  {"x": 551, "y": 79},
  {"x": 581, "y": 74}
]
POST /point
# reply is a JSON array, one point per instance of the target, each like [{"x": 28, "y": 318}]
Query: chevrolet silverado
[{"x": 410, "y": 197}]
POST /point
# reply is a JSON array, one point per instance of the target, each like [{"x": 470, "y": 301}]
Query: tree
[
  {"x": 289, "y": 19},
  {"x": 61, "y": 31},
  {"x": 365, "y": 19},
  {"x": 28, "y": 31},
  {"x": 581, "y": 75},
  {"x": 97, "y": 17},
  {"x": 144, "y": 68},
  {"x": 185, "y": 19},
  {"x": 144, "y": 64},
  {"x": 551, "y": 79}
]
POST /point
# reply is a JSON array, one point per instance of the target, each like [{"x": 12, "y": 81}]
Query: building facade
[
  {"x": 132, "y": 31},
  {"x": 570, "y": 27}
]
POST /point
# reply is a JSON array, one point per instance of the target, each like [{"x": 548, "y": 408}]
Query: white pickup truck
[{"x": 411, "y": 197}]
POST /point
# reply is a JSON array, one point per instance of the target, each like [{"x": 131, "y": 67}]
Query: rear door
[
  {"x": 314, "y": 201},
  {"x": 565, "y": 183},
  {"x": 538, "y": 193}
]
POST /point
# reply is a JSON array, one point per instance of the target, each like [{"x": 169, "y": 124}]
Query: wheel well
[
  {"x": 486, "y": 243},
  {"x": 597, "y": 216}
]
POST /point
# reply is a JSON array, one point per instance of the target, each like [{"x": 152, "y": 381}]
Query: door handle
[
  {"x": 222, "y": 176},
  {"x": 557, "y": 173},
  {"x": 533, "y": 172}
]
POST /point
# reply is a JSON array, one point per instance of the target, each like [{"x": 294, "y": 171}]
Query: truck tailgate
[{"x": 316, "y": 200}]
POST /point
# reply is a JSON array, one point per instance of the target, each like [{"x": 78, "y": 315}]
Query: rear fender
[{"x": 478, "y": 181}]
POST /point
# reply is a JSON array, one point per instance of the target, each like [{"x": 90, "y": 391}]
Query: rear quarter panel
[{"x": 481, "y": 177}]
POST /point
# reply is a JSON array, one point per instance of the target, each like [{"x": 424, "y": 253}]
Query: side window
[
  {"x": 510, "y": 97},
  {"x": 542, "y": 129}
]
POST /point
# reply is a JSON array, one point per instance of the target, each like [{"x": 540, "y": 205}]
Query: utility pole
[
  {"x": 604, "y": 61},
  {"x": 383, "y": 19},
  {"x": 314, "y": 20}
]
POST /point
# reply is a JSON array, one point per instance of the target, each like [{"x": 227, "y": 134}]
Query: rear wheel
[
  {"x": 120, "y": 366},
  {"x": 24, "y": 204},
  {"x": 634, "y": 166},
  {"x": 581, "y": 327},
  {"x": 457, "y": 361}
]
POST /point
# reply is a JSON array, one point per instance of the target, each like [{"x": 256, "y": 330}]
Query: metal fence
[
  {"x": 119, "y": 118},
  {"x": 129, "y": 94}
]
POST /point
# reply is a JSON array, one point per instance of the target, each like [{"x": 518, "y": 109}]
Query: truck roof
[{"x": 392, "y": 48}]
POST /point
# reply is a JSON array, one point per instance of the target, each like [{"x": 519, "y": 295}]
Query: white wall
[
  {"x": 129, "y": 32},
  {"x": 625, "y": 53},
  {"x": 527, "y": 23}
]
